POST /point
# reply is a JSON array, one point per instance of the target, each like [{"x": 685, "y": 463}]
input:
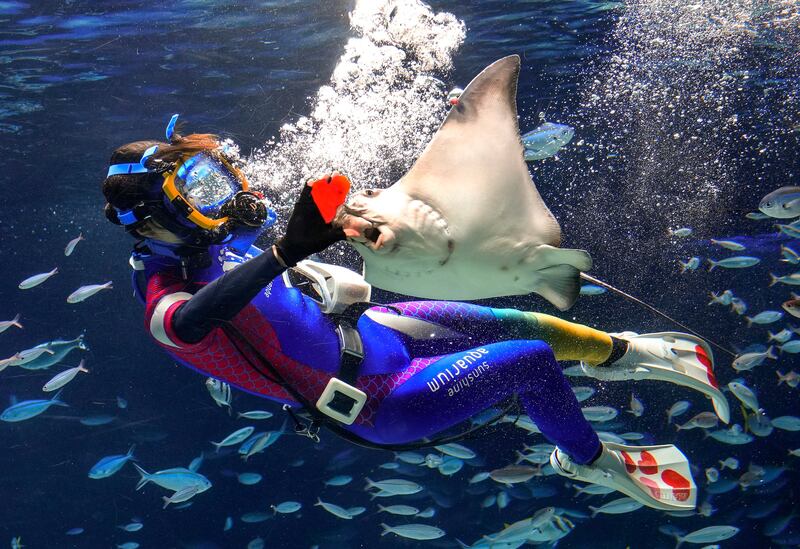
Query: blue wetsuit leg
[{"x": 455, "y": 387}]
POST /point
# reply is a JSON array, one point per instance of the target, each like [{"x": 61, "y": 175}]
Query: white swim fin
[
  {"x": 679, "y": 358},
  {"x": 656, "y": 476}
]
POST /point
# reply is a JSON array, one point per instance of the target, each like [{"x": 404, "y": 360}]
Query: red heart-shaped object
[
  {"x": 329, "y": 193},
  {"x": 648, "y": 464}
]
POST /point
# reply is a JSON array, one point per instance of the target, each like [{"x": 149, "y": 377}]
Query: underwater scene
[{"x": 542, "y": 287}]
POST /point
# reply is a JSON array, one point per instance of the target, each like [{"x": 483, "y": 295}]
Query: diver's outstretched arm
[{"x": 222, "y": 299}]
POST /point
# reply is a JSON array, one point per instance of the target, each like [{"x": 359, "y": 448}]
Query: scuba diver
[{"x": 306, "y": 334}]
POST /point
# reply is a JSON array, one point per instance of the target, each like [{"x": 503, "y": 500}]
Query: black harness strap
[{"x": 269, "y": 372}]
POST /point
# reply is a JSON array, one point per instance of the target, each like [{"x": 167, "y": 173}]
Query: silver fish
[
  {"x": 617, "y": 507},
  {"x": 72, "y": 243},
  {"x": 787, "y": 423},
  {"x": 54, "y": 352},
  {"x": 758, "y": 424},
  {"x": 220, "y": 392},
  {"x": 235, "y": 438},
  {"x": 184, "y": 494},
  {"x": 456, "y": 450},
  {"x": 792, "y": 379},
  {"x": 781, "y": 337},
  {"x": 591, "y": 289},
  {"x": 402, "y": 510},
  {"x": 107, "y": 466},
  {"x": 450, "y": 466},
  {"x": 738, "y": 306},
  {"x": 764, "y": 317},
  {"x": 789, "y": 255},
  {"x": 599, "y": 413},
  {"x": 413, "y": 531},
  {"x": 396, "y": 486},
  {"x": 790, "y": 279},
  {"x": 792, "y": 306},
  {"x": 6, "y": 324},
  {"x": 333, "y": 509},
  {"x": 62, "y": 378},
  {"x": 729, "y": 245},
  {"x": 724, "y": 298},
  {"x": 29, "y": 355},
  {"x": 637, "y": 408},
  {"x": 85, "y": 292},
  {"x": 583, "y": 393},
  {"x": 791, "y": 347},
  {"x": 28, "y": 409},
  {"x": 677, "y": 409},
  {"x": 513, "y": 474},
  {"x": 738, "y": 262},
  {"x": 748, "y": 361},
  {"x": 703, "y": 420},
  {"x": 681, "y": 233},
  {"x": 255, "y": 414},
  {"x": 783, "y": 203},
  {"x": 745, "y": 395},
  {"x": 789, "y": 230},
  {"x": 10, "y": 361},
  {"x": 286, "y": 507},
  {"x": 546, "y": 140},
  {"x": 176, "y": 479},
  {"x": 691, "y": 265},
  {"x": 709, "y": 534},
  {"x": 35, "y": 280},
  {"x": 734, "y": 435}
]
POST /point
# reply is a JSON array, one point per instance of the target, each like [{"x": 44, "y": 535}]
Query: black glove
[{"x": 306, "y": 233}]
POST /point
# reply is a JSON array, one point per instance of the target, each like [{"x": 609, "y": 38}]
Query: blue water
[{"x": 683, "y": 116}]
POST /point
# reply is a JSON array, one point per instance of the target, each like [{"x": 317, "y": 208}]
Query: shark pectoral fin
[
  {"x": 548, "y": 256},
  {"x": 559, "y": 284},
  {"x": 557, "y": 274}
]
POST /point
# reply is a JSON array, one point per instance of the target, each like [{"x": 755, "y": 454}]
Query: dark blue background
[{"x": 79, "y": 78}]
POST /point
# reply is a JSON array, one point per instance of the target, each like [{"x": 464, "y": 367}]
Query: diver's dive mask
[
  {"x": 209, "y": 191},
  {"x": 203, "y": 198}
]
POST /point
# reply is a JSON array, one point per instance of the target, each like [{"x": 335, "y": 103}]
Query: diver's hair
[
  {"x": 127, "y": 190},
  {"x": 180, "y": 146}
]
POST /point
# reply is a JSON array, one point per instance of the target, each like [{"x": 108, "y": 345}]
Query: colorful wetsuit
[{"x": 432, "y": 366}]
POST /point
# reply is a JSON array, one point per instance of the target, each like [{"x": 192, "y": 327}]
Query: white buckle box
[{"x": 334, "y": 386}]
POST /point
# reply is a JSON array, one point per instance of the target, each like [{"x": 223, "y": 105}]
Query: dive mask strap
[
  {"x": 171, "y": 126},
  {"x": 134, "y": 167}
]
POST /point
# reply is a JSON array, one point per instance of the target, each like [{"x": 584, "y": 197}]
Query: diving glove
[
  {"x": 656, "y": 476},
  {"x": 306, "y": 233},
  {"x": 678, "y": 358}
]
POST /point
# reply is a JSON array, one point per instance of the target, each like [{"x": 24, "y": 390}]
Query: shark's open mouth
[
  {"x": 372, "y": 234},
  {"x": 374, "y": 238},
  {"x": 370, "y": 231}
]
